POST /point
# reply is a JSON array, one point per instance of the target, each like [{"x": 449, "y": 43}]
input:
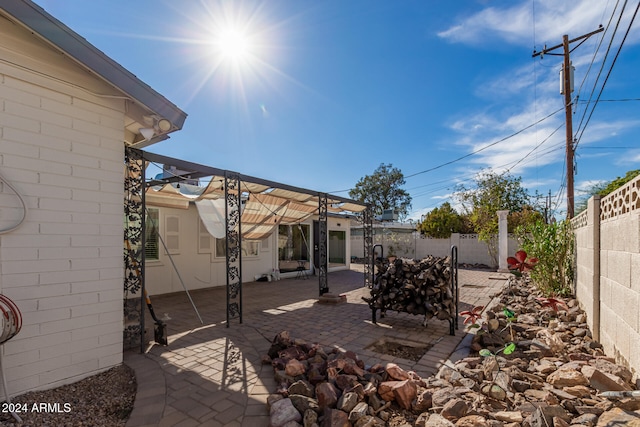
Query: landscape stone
[{"x": 282, "y": 412}]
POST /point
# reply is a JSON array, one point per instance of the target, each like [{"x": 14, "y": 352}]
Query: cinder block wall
[
  {"x": 608, "y": 271},
  {"x": 62, "y": 149}
]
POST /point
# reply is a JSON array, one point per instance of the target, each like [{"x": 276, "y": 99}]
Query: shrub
[{"x": 553, "y": 245}]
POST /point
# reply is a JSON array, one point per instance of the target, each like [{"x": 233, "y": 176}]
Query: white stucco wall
[
  {"x": 200, "y": 269},
  {"x": 470, "y": 249},
  {"x": 62, "y": 148}
]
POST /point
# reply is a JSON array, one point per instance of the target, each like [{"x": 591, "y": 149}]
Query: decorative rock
[
  {"x": 294, "y": 368},
  {"x": 552, "y": 340},
  {"x": 609, "y": 367},
  {"x": 347, "y": 402},
  {"x": 423, "y": 401},
  {"x": 455, "y": 409},
  {"x": 334, "y": 418},
  {"x": 566, "y": 378},
  {"x": 344, "y": 382},
  {"x": 509, "y": 416},
  {"x": 578, "y": 391},
  {"x": 396, "y": 372},
  {"x": 472, "y": 421},
  {"x": 493, "y": 325},
  {"x": 301, "y": 387},
  {"x": 282, "y": 412},
  {"x": 403, "y": 392},
  {"x": 310, "y": 419},
  {"x": 495, "y": 392},
  {"x": 544, "y": 415},
  {"x": 327, "y": 395},
  {"x": 527, "y": 319},
  {"x": 437, "y": 420},
  {"x": 304, "y": 403},
  {"x": 441, "y": 396},
  {"x": 370, "y": 421},
  {"x": 580, "y": 332},
  {"x": 619, "y": 417},
  {"x": 587, "y": 420},
  {"x": 552, "y": 380},
  {"x": 559, "y": 422},
  {"x": 603, "y": 381},
  {"x": 520, "y": 386},
  {"x": 359, "y": 411},
  {"x": 375, "y": 402}
]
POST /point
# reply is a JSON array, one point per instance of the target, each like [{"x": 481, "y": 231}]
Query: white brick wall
[{"x": 62, "y": 149}]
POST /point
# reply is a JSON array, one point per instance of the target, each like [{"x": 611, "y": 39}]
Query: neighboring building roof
[{"x": 71, "y": 44}]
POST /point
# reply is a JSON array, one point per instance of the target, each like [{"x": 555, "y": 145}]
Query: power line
[
  {"x": 487, "y": 146},
  {"x": 604, "y": 60},
  {"x": 610, "y": 70}
]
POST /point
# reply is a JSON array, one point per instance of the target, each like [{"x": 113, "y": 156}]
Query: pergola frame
[{"x": 135, "y": 188}]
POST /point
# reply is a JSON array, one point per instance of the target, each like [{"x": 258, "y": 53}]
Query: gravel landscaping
[{"x": 102, "y": 400}]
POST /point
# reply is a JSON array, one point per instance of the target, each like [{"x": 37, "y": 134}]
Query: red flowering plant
[
  {"x": 472, "y": 316},
  {"x": 553, "y": 303},
  {"x": 520, "y": 263}
]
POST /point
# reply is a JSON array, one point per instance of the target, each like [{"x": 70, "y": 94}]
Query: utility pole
[{"x": 568, "y": 107}]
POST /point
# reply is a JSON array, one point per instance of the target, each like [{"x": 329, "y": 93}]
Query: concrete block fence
[{"x": 607, "y": 282}]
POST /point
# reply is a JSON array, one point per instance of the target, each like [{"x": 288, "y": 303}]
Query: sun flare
[{"x": 234, "y": 44}]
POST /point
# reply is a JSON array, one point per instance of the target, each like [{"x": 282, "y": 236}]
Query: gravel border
[{"x": 102, "y": 400}]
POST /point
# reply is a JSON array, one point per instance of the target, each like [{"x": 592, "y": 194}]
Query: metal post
[
  {"x": 367, "y": 237},
  {"x": 322, "y": 244},
  {"x": 454, "y": 285},
  {"x": 134, "y": 259},
  {"x": 232, "y": 195}
]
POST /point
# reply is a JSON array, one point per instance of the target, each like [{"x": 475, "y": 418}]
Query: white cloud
[{"x": 517, "y": 23}]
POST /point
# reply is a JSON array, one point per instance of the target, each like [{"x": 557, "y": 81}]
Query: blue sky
[{"x": 320, "y": 93}]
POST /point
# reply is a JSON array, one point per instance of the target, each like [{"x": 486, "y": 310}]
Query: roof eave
[{"x": 88, "y": 56}]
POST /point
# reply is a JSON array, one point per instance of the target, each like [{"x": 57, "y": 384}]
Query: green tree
[
  {"x": 492, "y": 192},
  {"x": 382, "y": 190},
  {"x": 441, "y": 222}
]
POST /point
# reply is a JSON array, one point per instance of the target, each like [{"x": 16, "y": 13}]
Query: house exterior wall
[
  {"x": 62, "y": 149},
  {"x": 199, "y": 268},
  {"x": 608, "y": 271}
]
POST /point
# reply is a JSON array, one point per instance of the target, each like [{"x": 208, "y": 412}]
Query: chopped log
[{"x": 420, "y": 287}]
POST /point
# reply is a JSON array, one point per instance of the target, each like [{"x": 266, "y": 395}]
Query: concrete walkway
[{"x": 211, "y": 374}]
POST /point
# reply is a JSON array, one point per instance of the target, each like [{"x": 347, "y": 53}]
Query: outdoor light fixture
[
  {"x": 147, "y": 133},
  {"x": 157, "y": 125},
  {"x": 164, "y": 125}
]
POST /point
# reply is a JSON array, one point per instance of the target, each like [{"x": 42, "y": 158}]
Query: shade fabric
[
  {"x": 264, "y": 212},
  {"x": 212, "y": 214}
]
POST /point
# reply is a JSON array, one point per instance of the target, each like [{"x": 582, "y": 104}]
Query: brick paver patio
[{"x": 211, "y": 374}]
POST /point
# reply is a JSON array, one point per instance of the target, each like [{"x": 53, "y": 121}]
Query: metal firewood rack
[{"x": 453, "y": 320}]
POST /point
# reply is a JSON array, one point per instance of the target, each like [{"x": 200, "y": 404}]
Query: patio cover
[{"x": 266, "y": 204}]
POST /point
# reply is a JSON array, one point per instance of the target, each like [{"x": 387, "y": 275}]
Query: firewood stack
[{"x": 420, "y": 287}]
